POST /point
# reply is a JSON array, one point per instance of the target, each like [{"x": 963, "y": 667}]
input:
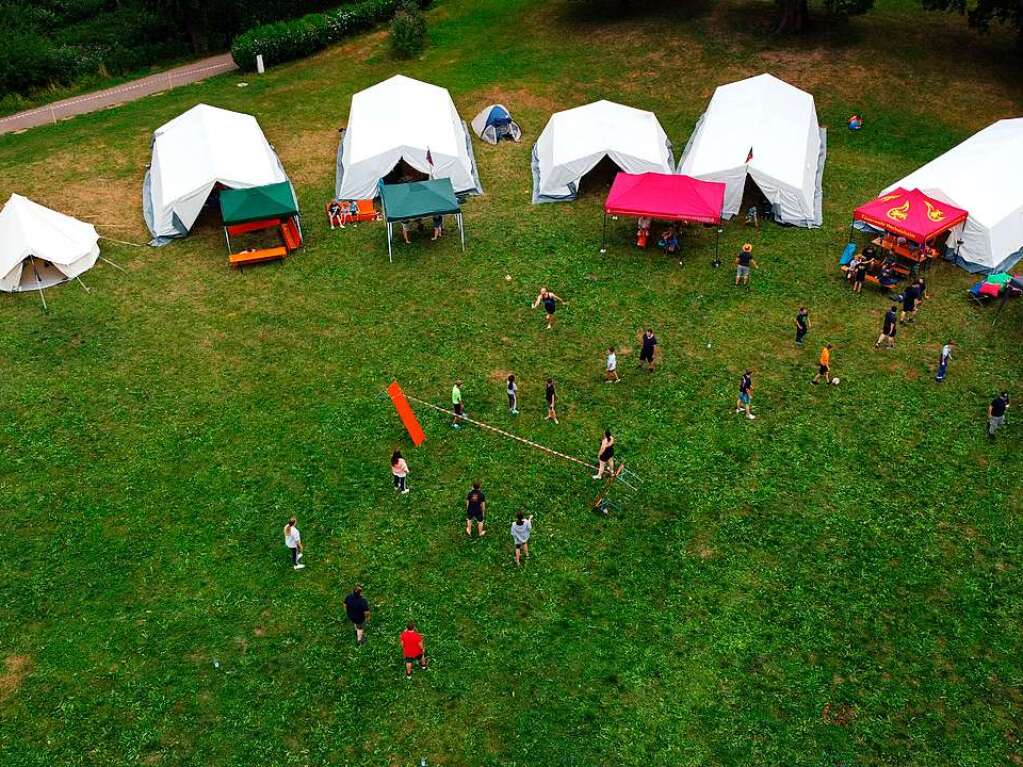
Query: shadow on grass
[{"x": 609, "y": 12}]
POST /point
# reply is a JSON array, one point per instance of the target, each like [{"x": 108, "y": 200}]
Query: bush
[
  {"x": 408, "y": 31},
  {"x": 288, "y": 40}
]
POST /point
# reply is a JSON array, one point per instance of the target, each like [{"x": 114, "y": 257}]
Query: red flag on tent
[
  {"x": 749, "y": 157},
  {"x": 429, "y": 157},
  {"x": 415, "y": 431}
]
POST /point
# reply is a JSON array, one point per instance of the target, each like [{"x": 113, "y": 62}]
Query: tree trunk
[{"x": 794, "y": 16}]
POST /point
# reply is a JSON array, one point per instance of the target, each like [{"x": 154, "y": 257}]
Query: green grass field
[{"x": 836, "y": 583}]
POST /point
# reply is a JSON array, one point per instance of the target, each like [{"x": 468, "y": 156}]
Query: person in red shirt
[{"x": 413, "y": 649}]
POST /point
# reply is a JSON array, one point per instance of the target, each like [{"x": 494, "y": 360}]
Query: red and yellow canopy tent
[
  {"x": 664, "y": 197},
  {"x": 910, "y": 214}
]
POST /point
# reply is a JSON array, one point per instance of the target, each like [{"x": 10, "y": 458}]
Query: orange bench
[
  {"x": 252, "y": 226},
  {"x": 245, "y": 258},
  {"x": 289, "y": 233},
  {"x": 366, "y": 211}
]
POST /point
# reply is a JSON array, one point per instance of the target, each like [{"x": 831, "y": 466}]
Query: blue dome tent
[{"x": 494, "y": 123}]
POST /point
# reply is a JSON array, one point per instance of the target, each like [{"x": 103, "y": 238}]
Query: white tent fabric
[
  {"x": 574, "y": 141},
  {"x": 40, "y": 247},
  {"x": 774, "y": 122},
  {"x": 192, "y": 154},
  {"x": 982, "y": 176},
  {"x": 400, "y": 119}
]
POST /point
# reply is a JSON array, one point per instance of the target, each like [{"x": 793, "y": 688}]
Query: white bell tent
[
  {"x": 576, "y": 140},
  {"x": 768, "y": 129},
  {"x": 401, "y": 119},
  {"x": 982, "y": 176},
  {"x": 193, "y": 154},
  {"x": 40, "y": 248}
]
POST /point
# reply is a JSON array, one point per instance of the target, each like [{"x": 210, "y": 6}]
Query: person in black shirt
[
  {"x": 552, "y": 400},
  {"x": 646, "y": 354},
  {"x": 802, "y": 324},
  {"x": 909, "y": 299},
  {"x": 996, "y": 413},
  {"x": 745, "y": 400},
  {"x": 358, "y": 613},
  {"x": 475, "y": 510},
  {"x": 550, "y": 304},
  {"x": 888, "y": 328},
  {"x": 743, "y": 264}
]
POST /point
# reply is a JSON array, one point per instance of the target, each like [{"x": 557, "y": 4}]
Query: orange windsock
[{"x": 415, "y": 431}]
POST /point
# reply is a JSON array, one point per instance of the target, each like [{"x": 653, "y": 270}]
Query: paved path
[{"x": 130, "y": 91}]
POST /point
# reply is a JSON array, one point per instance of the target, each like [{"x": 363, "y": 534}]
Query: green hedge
[{"x": 287, "y": 40}]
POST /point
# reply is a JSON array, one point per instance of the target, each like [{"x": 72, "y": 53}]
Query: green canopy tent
[
  {"x": 419, "y": 199},
  {"x": 268, "y": 204}
]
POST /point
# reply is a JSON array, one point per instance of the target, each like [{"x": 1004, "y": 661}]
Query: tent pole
[
  {"x": 390, "y": 258},
  {"x": 82, "y": 284},
  {"x": 228, "y": 238},
  {"x": 461, "y": 231},
  {"x": 39, "y": 283},
  {"x": 603, "y": 235}
]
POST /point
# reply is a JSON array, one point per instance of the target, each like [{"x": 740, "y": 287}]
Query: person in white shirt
[
  {"x": 513, "y": 395},
  {"x": 293, "y": 540},
  {"x": 611, "y": 368},
  {"x": 520, "y": 530},
  {"x": 943, "y": 358},
  {"x": 399, "y": 468}
]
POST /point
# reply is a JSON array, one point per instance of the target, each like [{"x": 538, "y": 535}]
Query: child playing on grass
[{"x": 611, "y": 367}]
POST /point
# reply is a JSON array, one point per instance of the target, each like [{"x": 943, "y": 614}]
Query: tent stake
[
  {"x": 461, "y": 231},
  {"x": 603, "y": 235}
]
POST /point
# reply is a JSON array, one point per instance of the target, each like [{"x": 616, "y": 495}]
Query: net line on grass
[{"x": 509, "y": 435}]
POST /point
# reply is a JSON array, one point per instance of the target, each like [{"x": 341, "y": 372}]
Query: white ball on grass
[{"x": 836, "y": 381}]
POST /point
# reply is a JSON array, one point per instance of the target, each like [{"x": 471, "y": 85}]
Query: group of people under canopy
[{"x": 908, "y": 231}]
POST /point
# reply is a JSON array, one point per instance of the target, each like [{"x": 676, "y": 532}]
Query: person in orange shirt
[{"x": 825, "y": 365}]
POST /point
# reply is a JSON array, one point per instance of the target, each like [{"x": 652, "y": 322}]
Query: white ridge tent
[
  {"x": 764, "y": 127},
  {"x": 40, "y": 248},
  {"x": 574, "y": 141},
  {"x": 982, "y": 176},
  {"x": 195, "y": 152},
  {"x": 402, "y": 119}
]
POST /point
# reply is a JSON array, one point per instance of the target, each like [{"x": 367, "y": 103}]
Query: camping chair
[{"x": 847, "y": 254}]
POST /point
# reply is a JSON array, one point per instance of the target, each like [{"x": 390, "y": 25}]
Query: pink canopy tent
[
  {"x": 911, "y": 214},
  {"x": 665, "y": 197}
]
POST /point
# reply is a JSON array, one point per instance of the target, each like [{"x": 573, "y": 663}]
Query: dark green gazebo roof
[
  {"x": 418, "y": 199},
  {"x": 271, "y": 201}
]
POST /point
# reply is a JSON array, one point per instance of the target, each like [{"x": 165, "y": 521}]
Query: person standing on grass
[
  {"x": 475, "y": 510},
  {"x": 513, "y": 395},
  {"x": 646, "y": 354},
  {"x": 802, "y": 325},
  {"x": 438, "y": 228},
  {"x": 824, "y": 369},
  {"x": 357, "y": 609},
  {"x": 611, "y": 367},
  {"x": 996, "y": 413},
  {"x": 743, "y": 264},
  {"x": 520, "y": 530},
  {"x": 550, "y": 304},
  {"x": 552, "y": 400},
  {"x": 745, "y": 399},
  {"x": 606, "y": 456},
  {"x": 399, "y": 469},
  {"x": 943, "y": 358},
  {"x": 909, "y": 300},
  {"x": 888, "y": 328},
  {"x": 860, "y": 273},
  {"x": 413, "y": 649},
  {"x": 456, "y": 403},
  {"x": 293, "y": 540}
]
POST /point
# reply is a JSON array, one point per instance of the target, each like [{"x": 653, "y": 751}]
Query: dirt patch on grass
[
  {"x": 16, "y": 668},
  {"x": 519, "y": 98},
  {"x": 840, "y": 714},
  {"x": 499, "y": 375},
  {"x": 308, "y": 154}
]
